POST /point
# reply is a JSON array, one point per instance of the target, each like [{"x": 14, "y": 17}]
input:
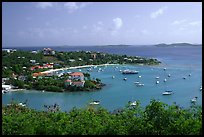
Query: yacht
[
  {"x": 94, "y": 103},
  {"x": 127, "y": 71},
  {"x": 167, "y": 92}
]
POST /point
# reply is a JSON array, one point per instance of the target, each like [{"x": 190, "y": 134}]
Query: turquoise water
[{"x": 118, "y": 92}]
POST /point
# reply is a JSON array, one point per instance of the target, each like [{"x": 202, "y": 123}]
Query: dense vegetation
[{"x": 156, "y": 118}]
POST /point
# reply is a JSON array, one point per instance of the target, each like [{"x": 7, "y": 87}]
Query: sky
[{"x": 100, "y": 23}]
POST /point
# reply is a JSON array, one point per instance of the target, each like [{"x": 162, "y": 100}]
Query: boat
[
  {"x": 140, "y": 85},
  {"x": 127, "y": 71},
  {"x": 169, "y": 75},
  {"x": 157, "y": 77},
  {"x": 139, "y": 76},
  {"x": 167, "y": 92},
  {"x": 125, "y": 79},
  {"x": 134, "y": 103},
  {"x": 200, "y": 88},
  {"x": 137, "y": 82},
  {"x": 164, "y": 68},
  {"x": 193, "y": 100},
  {"x": 165, "y": 80},
  {"x": 94, "y": 103},
  {"x": 22, "y": 104},
  {"x": 113, "y": 77},
  {"x": 157, "y": 82},
  {"x": 189, "y": 75},
  {"x": 184, "y": 77}
]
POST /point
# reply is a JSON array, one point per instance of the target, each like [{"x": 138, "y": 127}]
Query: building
[
  {"x": 77, "y": 76},
  {"x": 93, "y": 55},
  {"x": 48, "y": 51}
]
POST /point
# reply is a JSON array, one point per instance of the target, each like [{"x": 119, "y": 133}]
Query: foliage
[{"x": 156, "y": 118}]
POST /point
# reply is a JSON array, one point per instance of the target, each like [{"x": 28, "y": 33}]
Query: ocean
[{"x": 179, "y": 61}]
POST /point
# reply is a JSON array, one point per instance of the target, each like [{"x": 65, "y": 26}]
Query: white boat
[
  {"x": 134, "y": 103},
  {"x": 168, "y": 92},
  {"x": 140, "y": 84},
  {"x": 21, "y": 104},
  {"x": 127, "y": 71},
  {"x": 157, "y": 77},
  {"x": 189, "y": 75},
  {"x": 200, "y": 88},
  {"x": 165, "y": 80},
  {"x": 157, "y": 82},
  {"x": 164, "y": 68},
  {"x": 169, "y": 75},
  {"x": 137, "y": 82},
  {"x": 94, "y": 103},
  {"x": 193, "y": 100},
  {"x": 113, "y": 77},
  {"x": 139, "y": 76},
  {"x": 125, "y": 79}
]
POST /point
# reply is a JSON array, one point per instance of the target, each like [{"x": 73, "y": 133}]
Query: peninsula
[{"x": 46, "y": 69}]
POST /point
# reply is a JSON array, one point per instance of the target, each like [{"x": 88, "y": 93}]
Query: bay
[{"x": 178, "y": 61}]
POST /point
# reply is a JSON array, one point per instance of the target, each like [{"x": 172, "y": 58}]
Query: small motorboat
[
  {"x": 193, "y": 100},
  {"x": 125, "y": 79},
  {"x": 94, "y": 103},
  {"x": 164, "y": 68},
  {"x": 200, "y": 88},
  {"x": 113, "y": 77},
  {"x": 139, "y": 76},
  {"x": 169, "y": 75},
  {"x": 157, "y": 82},
  {"x": 189, "y": 75},
  {"x": 168, "y": 92},
  {"x": 137, "y": 82},
  {"x": 184, "y": 77},
  {"x": 165, "y": 80},
  {"x": 140, "y": 85},
  {"x": 157, "y": 77}
]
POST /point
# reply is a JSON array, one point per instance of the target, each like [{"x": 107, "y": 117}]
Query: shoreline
[{"x": 76, "y": 67}]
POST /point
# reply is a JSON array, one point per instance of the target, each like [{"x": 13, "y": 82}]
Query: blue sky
[{"x": 100, "y": 23}]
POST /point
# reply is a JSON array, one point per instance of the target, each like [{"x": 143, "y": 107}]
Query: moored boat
[
  {"x": 167, "y": 92},
  {"x": 96, "y": 102},
  {"x": 127, "y": 71}
]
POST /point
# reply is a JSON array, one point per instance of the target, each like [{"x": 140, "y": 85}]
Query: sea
[{"x": 179, "y": 61}]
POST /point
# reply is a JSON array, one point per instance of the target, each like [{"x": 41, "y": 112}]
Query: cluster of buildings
[
  {"x": 75, "y": 79},
  {"x": 48, "y": 65}
]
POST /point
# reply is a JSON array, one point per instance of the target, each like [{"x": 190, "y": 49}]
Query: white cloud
[
  {"x": 118, "y": 23},
  {"x": 44, "y": 5},
  {"x": 73, "y": 6},
  {"x": 157, "y": 13},
  {"x": 178, "y": 22},
  {"x": 98, "y": 26},
  {"x": 195, "y": 23}
]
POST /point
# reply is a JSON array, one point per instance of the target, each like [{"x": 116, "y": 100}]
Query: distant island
[{"x": 176, "y": 44}]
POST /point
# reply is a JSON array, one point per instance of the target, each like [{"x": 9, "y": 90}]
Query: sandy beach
[{"x": 76, "y": 67}]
